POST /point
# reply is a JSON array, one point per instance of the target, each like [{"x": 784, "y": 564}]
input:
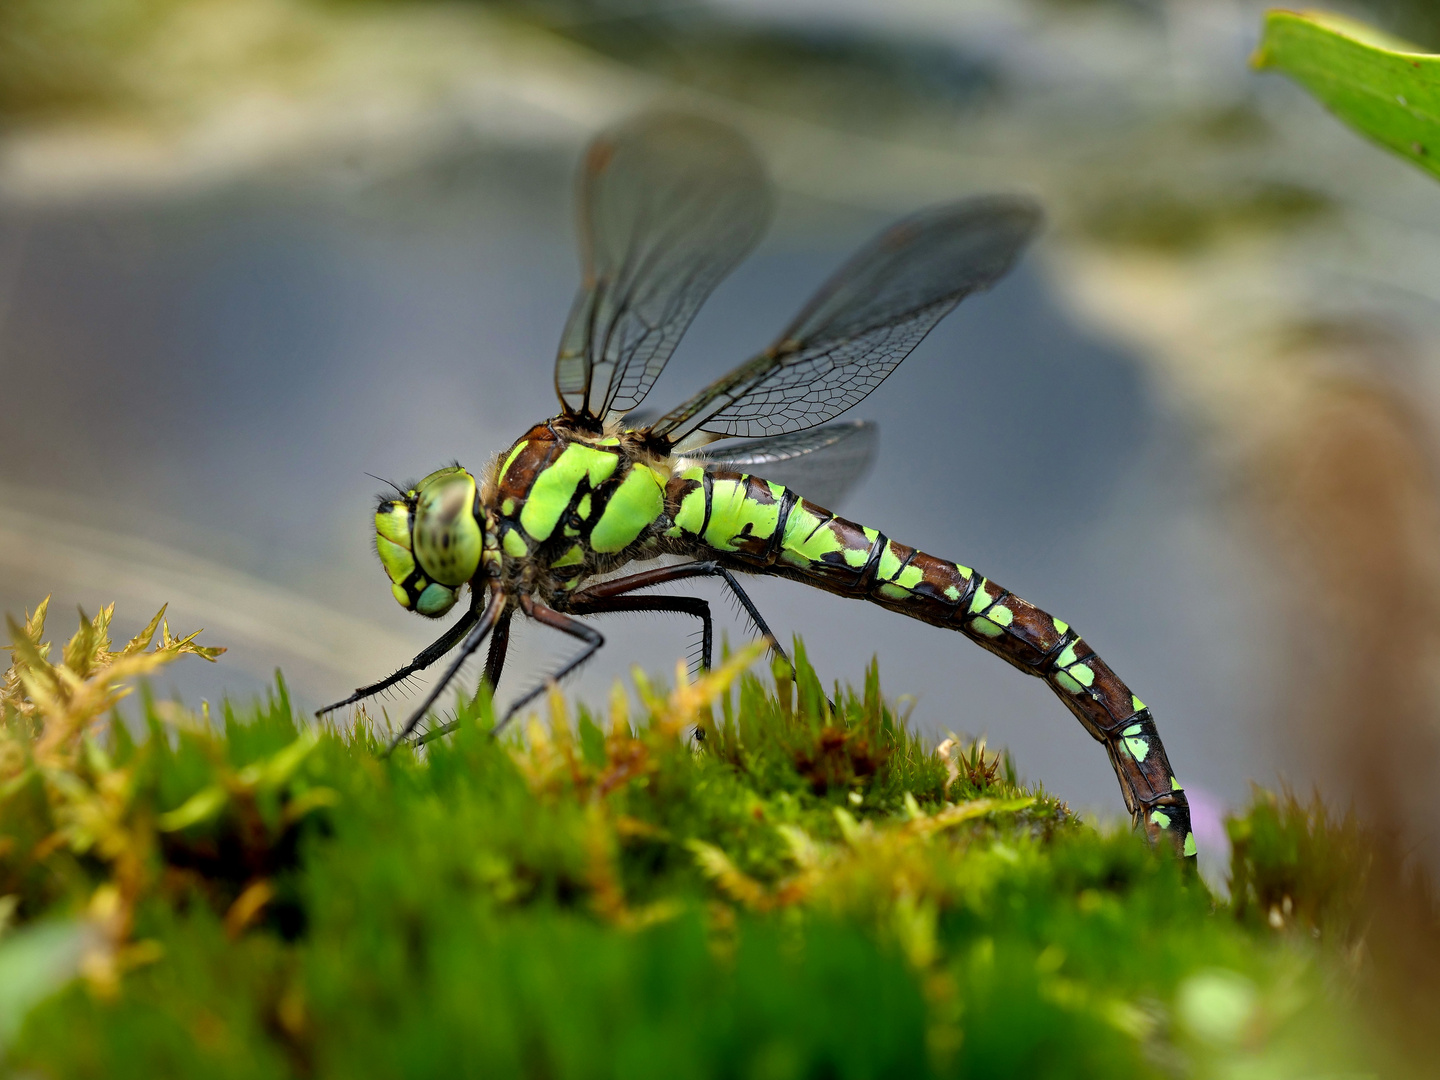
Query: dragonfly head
[{"x": 430, "y": 540}]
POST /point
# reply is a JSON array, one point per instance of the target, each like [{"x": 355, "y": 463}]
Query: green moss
[
  {"x": 807, "y": 889},
  {"x": 1291, "y": 865}
]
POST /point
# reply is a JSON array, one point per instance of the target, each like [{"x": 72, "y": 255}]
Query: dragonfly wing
[
  {"x": 865, "y": 320},
  {"x": 639, "y": 418},
  {"x": 822, "y": 463},
  {"x": 669, "y": 204}
]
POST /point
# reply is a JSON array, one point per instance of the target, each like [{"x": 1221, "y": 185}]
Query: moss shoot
[{"x": 731, "y": 878}]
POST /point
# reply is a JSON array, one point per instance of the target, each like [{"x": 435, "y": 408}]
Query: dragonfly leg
[
  {"x": 660, "y": 575},
  {"x": 685, "y": 605},
  {"x": 708, "y": 568},
  {"x": 592, "y": 638},
  {"x": 483, "y": 625},
  {"x": 497, "y": 658},
  {"x": 499, "y": 645},
  {"x": 494, "y": 665},
  {"x": 432, "y": 653},
  {"x": 755, "y": 617},
  {"x": 607, "y": 596},
  {"x": 663, "y": 574}
]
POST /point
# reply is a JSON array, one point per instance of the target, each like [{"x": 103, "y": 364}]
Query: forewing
[
  {"x": 821, "y": 463},
  {"x": 668, "y": 205},
  {"x": 865, "y": 320}
]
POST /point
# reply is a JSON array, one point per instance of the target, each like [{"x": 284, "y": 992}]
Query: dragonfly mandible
[{"x": 669, "y": 204}]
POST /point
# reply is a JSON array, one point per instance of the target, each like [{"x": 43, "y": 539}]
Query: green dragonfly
[{"x": 668, "y": 206}]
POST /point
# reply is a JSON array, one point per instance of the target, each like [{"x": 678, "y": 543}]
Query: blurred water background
[{"x": 251, "y": 250}]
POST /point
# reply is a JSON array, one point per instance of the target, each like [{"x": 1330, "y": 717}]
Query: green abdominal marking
[
  {"x": 807, "y": 540},
  {"x": 690, "y": 517},
  {"x": 736, "y": 516},
  {"x": 762, "y": 527},
  {"x": 1137, "y": 746}
]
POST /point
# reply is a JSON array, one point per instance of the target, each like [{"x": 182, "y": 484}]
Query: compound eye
[
  {"x": 446, "y": 538},
  {"x": 392, "y": 542},
  {"x": 392, "y": 539}
]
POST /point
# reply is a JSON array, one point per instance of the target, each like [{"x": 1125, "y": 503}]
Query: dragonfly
[{"x": 561, "y": 524}]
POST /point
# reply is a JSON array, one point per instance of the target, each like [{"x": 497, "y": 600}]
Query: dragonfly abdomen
[{"x": 764, "y": 527}]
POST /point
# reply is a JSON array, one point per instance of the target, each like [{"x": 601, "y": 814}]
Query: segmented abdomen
[{"x": 757, "y": 525}]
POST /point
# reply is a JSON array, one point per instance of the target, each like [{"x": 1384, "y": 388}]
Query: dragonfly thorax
[
  {"x": 567, "y": 503},
  {"x": 430, "y": 540}
]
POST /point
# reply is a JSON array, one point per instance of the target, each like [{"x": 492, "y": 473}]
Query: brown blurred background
[{"x": 253, "y": 249}]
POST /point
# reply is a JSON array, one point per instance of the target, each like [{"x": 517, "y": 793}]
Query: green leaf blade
[{"x": 1379, "y": 85}]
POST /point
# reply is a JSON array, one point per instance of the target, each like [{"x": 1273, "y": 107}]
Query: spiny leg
[
  {"x": 598, "y": 599},
  {"x": 582, "y": 604},
  {"x": 707, "y": 568},
  {"x": 664, "y": 574},
  {"x": 431, "y": 653},
  {"x": 482, "y": 627},
  {"x": 499, "y": 646},
  {"x": 688, "y": 605},
  {"x": 494, "y": 665},
  {"x": 765, "y": 632},
  {"x": 755, "y": 617},
  {"x": 593, "y": 639},
  {"x": 546, "y": 617},
  {"x": 684, "y": 605}
]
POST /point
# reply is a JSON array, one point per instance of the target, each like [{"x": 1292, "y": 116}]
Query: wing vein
[{"x": 864, "y": 321}]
